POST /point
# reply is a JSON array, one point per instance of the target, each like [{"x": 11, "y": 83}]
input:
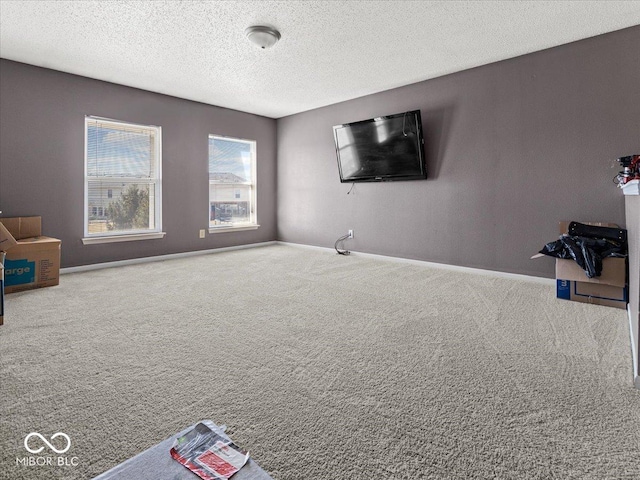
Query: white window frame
[
  {"x": 129, "y": 235},
  {"x": 252, "y": 224}
]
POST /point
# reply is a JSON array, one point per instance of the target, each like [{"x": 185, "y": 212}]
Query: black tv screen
[{"x": 381, "y": 149}]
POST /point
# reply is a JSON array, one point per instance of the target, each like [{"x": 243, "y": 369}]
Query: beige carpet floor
[{"x": 324, "y": 367}]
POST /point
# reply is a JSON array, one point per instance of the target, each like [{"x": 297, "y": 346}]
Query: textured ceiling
[{"x": 330, "y": 51}]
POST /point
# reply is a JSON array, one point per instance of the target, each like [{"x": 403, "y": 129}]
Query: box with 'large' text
[{"x": 31, "y": 261}]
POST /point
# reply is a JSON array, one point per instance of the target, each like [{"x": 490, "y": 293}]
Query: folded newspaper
[{"x": 208, "y": 454}]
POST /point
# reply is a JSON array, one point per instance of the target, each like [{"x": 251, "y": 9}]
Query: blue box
[{"x": 595, "y": 293}]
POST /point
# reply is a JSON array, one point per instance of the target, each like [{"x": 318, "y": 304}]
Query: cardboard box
[
  {"x": 614, "y": 271},
  {"x": 609, "y": 289},
  {"x": 6, "y": 239},
  {"x": 31, "y": 262},
  {"x": 595, "y": 293},
  {"x": 23, "y": 227}
]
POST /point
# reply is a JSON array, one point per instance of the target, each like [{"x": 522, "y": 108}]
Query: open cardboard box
[
  {"x": 609, "y": 289},
  {"x": 22, "y": 227},
  {"x": 32, "y": 261}
]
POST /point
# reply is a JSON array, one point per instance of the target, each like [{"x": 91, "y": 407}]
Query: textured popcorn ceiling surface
[{"x": 330, "y": 51}]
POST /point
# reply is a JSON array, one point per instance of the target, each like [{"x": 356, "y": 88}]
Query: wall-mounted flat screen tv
[{"x": 381, "y": 149}]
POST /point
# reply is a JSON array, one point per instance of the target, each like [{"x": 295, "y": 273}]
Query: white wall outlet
[
  {"x": 202, "y": 233},
  {"x": 350, "y": 233}
]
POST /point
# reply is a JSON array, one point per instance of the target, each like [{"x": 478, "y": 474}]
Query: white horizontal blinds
[
  {"x": 230, "y": 161},
  {"x": 122, "y": 168},
  {"x": 120, "y": 150}
]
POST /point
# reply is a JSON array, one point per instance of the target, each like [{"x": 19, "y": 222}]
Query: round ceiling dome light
[{"x": 264, "y": 37}]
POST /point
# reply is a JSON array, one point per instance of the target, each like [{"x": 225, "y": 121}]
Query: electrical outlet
[
  {"x": 202, "y": 233},
  {"x": 350, "y": 233}
]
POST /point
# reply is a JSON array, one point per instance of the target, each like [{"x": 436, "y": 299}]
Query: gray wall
[
  {"x": 42, "y": 159},
  {"x": 512, "y": 148}
]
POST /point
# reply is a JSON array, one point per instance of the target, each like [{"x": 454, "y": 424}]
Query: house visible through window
[
  {"x": 232, "y": 192},
  {"x": 122, "y": 179}
]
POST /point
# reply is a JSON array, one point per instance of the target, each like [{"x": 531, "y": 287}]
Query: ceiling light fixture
[{"x": 264, "y": 37}]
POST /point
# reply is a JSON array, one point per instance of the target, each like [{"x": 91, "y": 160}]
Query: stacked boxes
[{"x": 32, "y": 261}]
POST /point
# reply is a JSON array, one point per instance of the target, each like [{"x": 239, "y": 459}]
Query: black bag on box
[
  {"x": 588, "y": 245},
  {"x": 618, "y": 235}
]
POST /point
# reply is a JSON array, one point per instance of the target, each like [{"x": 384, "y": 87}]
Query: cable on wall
[{"x": 341, "y": 239}]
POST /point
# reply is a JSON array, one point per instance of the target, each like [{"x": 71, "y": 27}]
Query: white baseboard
[
  {"x": 158, "y": 258},
  {"x": 443, "y": 266}
]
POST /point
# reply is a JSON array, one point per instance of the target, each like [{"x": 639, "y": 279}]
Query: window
[
  {"x": 122, "y": 181},
  {"x": 232, "y": 184}
]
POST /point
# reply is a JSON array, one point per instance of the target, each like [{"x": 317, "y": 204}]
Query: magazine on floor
[{"x": 208, "y": 454}]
